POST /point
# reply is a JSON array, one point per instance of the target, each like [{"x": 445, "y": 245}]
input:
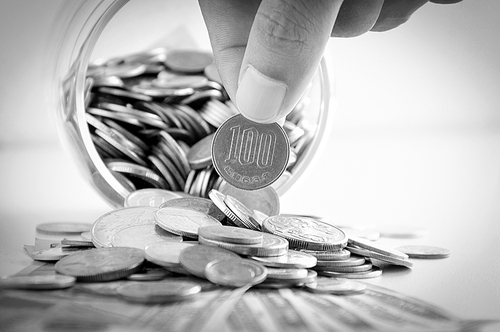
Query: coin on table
[
  {"x": 332, "y": 255},
  {"x": 306, "y": 233},
  {"x": 103, "y": 264},
  {"x": 292, "y": 259},
  {"x": 428, "y": 252},
  {"x": 195, "y": 259},
  {"x": 165, "y": 291},
  {"x": 200, "y": 154},
  {"x": 149, "y": 274},
  {"x": 108, "y": 224},
  {"x": 354, "y": 260},
  {"x": 183, "y": 222},
  {"x": 140, "y": 236},
  {"x": 357, "y": 268},
  {"x": 235, "y": 273},
  {"x": 265, "y": 200},
  {"x": 372, "y": 254},
  {"x": 245, "y": 217},
  {"x": 230, "y": 234},
  {"x": 76, "y": 243},
  {"x": 203, "y": 205},
  {"x": 167, "y": 255},
  {"x": 271, "y": 245},
  {"x": 374, "y": 272},
  {"x": 42, "y": 282},
  {"x": 149, "y": 197},
  {"x": 62, "y": 228},
  {"x": 250, "y": 155},
  {"x": 53, "y": 254},
  {"x": 335, "y": 286},
  {"x": 376, "y": 247}
]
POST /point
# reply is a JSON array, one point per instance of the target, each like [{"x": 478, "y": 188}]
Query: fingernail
[{"x": 259, "y": 98}]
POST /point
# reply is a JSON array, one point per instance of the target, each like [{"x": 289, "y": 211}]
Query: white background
[{"x": 414, "y": 140}]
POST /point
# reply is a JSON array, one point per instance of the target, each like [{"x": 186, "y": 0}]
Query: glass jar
[{"x": 90, "y": 29}]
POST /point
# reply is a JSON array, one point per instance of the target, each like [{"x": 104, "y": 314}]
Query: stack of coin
[{"x": 151, "y": 117}]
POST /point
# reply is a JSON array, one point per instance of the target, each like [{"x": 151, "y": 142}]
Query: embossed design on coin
[
  {"x": 306, "y": 233},
  {"x": 250, "y": 155},
  {"x": 203, "y": 205},
  {"x": 108, "y": 224},
  {"x": 102, "y": 264}
]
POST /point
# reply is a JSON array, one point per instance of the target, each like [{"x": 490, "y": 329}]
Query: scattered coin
[
  {"x": 165, "y": 291},
  {"x": 52, "y": 254},
  {"x": 354, "y": 260},
  {"x": 376, "y": 255},
  {"x": 271, "y": 245},
  {"x": 287, "y": 274},
  {"x": 167, "y": 255},
  {"x": 140, "y": 236},
  {"x": 76, "y": 243},
  {"x": 108, "y": 224},
  {"x": 250, "y": 155},
  {"x": 292, "y": 259},
  {"x": 200, "y": 155},
  {"x": 235, "y": 273},
  {"x": 334, "y": 255},
  {"x": 188, "y": 61},
  {"x": 149, "y": 274},
  {"x": 426, "y": 252},
  {"x": 335, "y": 286},
  {"x": 182, "y": 221},
  {"x": 373, "y": 273},
  {"x": 230, "y": 234},
  {"x": 40, "y": 282},
  {"x": 244, "y": 216},
  {"x": 306, "y": 233},
  {"x": 103, "y": 264},
  {"x": 376, "y": 247},
  {"x": 265, "y": 200},
  {"x": 195, "y": 259},
  {"x": 63, "y": 228}
]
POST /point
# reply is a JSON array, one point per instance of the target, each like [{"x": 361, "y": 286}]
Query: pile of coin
[{"x": 152, "y": 116}]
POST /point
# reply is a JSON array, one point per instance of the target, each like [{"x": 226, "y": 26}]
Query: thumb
[{"x": 285, "y": 46}]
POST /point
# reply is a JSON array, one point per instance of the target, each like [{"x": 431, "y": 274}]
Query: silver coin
[
  {"x": 149, "y": 197},
  {"x": 108, "y": 224},
  {"x": 374, "y": 272},
  {"x": 230, "y": 234},
  {"x": 232, "y": 273},
  {"x": 306, "y": 233},
  {"x": 199, "y": 155},
  {"x": 426, "y": 252},
  {"x": 335, "y": 286},
  {"x": 335, "y": 255},
  {"x": 250, "y": 155},
  {"x": 245, "y": 217},
  {"x": 149, "y": 274},
  {"x": 354, "y": 260},
  {"x": 378, "y": 248},
  {"x": 137, "y": 171},
  {"x": 357, "y": 268},
  {"x": 63, "y": 228},
  {"x": 182, "y": 221},
  {"x": 166, "y": 254},
  {"x": 199, "y": 204},
  {"x": 271, "y": 246},
  {"x": 40, "y": 282},
  {"x": 196, "y": 258},
  {"x": 286, "y": 274},
  {"x": 103, "y": 264},
  {"x": 292, "y": 259},
  {"x": 140, "y": 236},
  {"x": 372, "y": 254}
]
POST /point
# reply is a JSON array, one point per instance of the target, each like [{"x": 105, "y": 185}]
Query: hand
[{"x": 268, "y": 51}]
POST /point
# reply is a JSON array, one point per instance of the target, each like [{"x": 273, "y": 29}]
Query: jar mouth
[{"x": 76, "y": 36}]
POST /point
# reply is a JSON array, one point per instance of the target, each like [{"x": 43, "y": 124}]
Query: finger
[
  {"x": 356, "y": 17},
  {"x": 396, "y": 12},
  {"x": 284, "y": 48},
  {"x": 228, "y": 23}
]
